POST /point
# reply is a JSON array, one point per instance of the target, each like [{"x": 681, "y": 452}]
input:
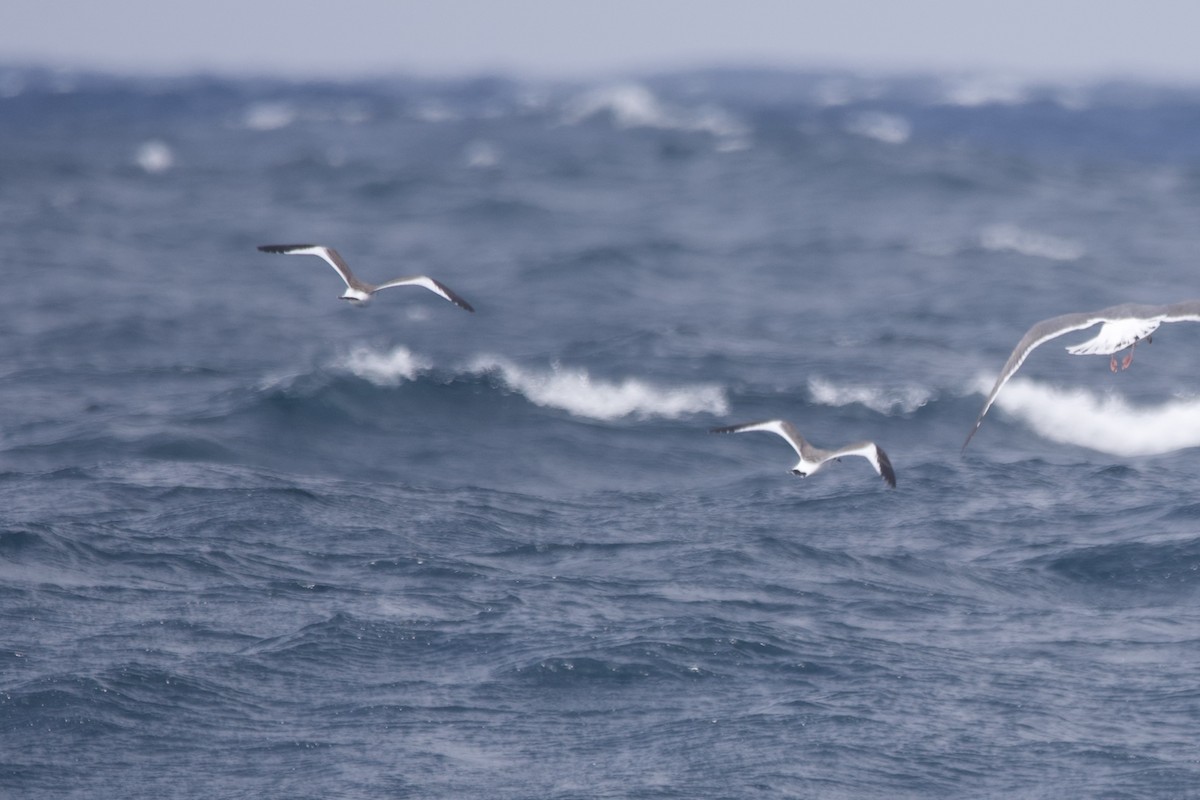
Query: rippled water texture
[{"x": 258, "y": 542}]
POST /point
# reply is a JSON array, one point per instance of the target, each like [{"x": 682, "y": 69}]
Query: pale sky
[{"x": 571, "y": 38}]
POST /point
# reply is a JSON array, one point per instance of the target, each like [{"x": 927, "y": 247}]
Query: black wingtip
[
  {"x": 283, "y": 248},
  {"x": 885, "y": 467},
  {"x": 453, "y": 296}
]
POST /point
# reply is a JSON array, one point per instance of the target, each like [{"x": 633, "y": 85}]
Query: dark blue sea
[{"x": 258, "y": 542}]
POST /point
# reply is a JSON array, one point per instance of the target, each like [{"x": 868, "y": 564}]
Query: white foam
[
  {"x": 631, "y": 105},
  {"x": 882, "y": 127},
  {"x": 384, "y": 369},
  {"x": 268, "y": 116},
  {"x": 889, "y": 401},
  {"x": 574, "y": 390},
  {"x": 570, "y": 389},
  {"x": 154, "y": 156},
  {"x": 1029, "y": 243},
  {"x": 981, "y": 90},
  {"x": 1107, "y": 423}
]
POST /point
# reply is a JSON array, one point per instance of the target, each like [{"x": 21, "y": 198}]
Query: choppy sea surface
[{"x": 258, "y": 542}]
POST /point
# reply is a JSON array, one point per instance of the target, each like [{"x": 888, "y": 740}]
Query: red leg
[
  {"x": 1112, "y": 363},
  {"x": 1129, "y": 358}
]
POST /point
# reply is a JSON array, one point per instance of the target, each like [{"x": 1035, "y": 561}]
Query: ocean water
[{"x": 258, "y": 542}]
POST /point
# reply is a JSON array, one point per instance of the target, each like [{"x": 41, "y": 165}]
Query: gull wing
[
  {"x": 1186, "y": 311},
  {"x": 436, "y": 287},
  {"x": 331, "y": 257},
  {"x": 1150, "y": 316},
  {"x": 776, "y": 426},
  {"x": 873, "y": 453},
  {"x": 1040, "y": 333}
]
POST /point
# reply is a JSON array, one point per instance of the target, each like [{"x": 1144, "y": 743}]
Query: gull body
[
  {"x": 813, "y": 458},
  {"x": 359, "y": 291},
  {"x": 1122, "y": 327}
]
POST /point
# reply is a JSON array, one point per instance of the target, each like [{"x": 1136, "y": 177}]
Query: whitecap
[
  {"x": 984, "y": 90},
  {"x": 889, "y": 400},
  {"x": 1030, "y": 243},
  {"x": 154, "y": 156},
  {"x": 575, "y": 391},
  {"x": 384, "y": 369},
  {"x": 882, "y": 127},
  {"x": 631, "y": 105},
  {"x": 1106, "y": 423},
  {"x": 268, "y": 116}
]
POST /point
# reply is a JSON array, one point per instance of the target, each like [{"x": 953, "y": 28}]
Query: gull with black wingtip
[
  {"x": 359, "y": 291},
  {"x": 813, "y": 458}
]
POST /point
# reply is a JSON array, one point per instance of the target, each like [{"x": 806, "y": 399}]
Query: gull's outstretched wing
[
  {"x": 873, "y": 453},
  {"x": 1040, "y": 333},
  {"x": 331, "y": 257},
  {"x": 437, "y": 287},
  {"x": 777, "y": 426}
]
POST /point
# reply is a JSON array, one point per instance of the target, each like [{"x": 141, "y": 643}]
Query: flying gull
[
  {"x": 813, "y": 458},
  {"x": 1124, "y": 326},
  {"x": 360, "y": 291}
]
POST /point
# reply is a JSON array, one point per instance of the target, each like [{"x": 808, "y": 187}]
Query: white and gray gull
[
  {"x": 360, "y": 291},
  {"x": 1123, "y": 327},
  {"x": 813, "y": 458}
]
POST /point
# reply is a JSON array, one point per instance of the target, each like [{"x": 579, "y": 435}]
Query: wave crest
[
  {"x": 574, "y": 390},
  {"x": 384, "y": 369},
  {"x": 1106, "y": 424},
  {"x": 570, "y": 389},
  {"x": 903, "y": 400},
  {"x": 631, "y": 105}
]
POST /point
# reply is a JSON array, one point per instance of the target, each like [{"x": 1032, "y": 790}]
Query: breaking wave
[
  {"x": 632, "y": 105},
  {"x": 385, "y": 369},
  {"x": 569, "y": 389},
  {"x": 1105, "y": 423},
  {"x": 574, "y": 390},
  {"x": 888, "y": 401}
]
